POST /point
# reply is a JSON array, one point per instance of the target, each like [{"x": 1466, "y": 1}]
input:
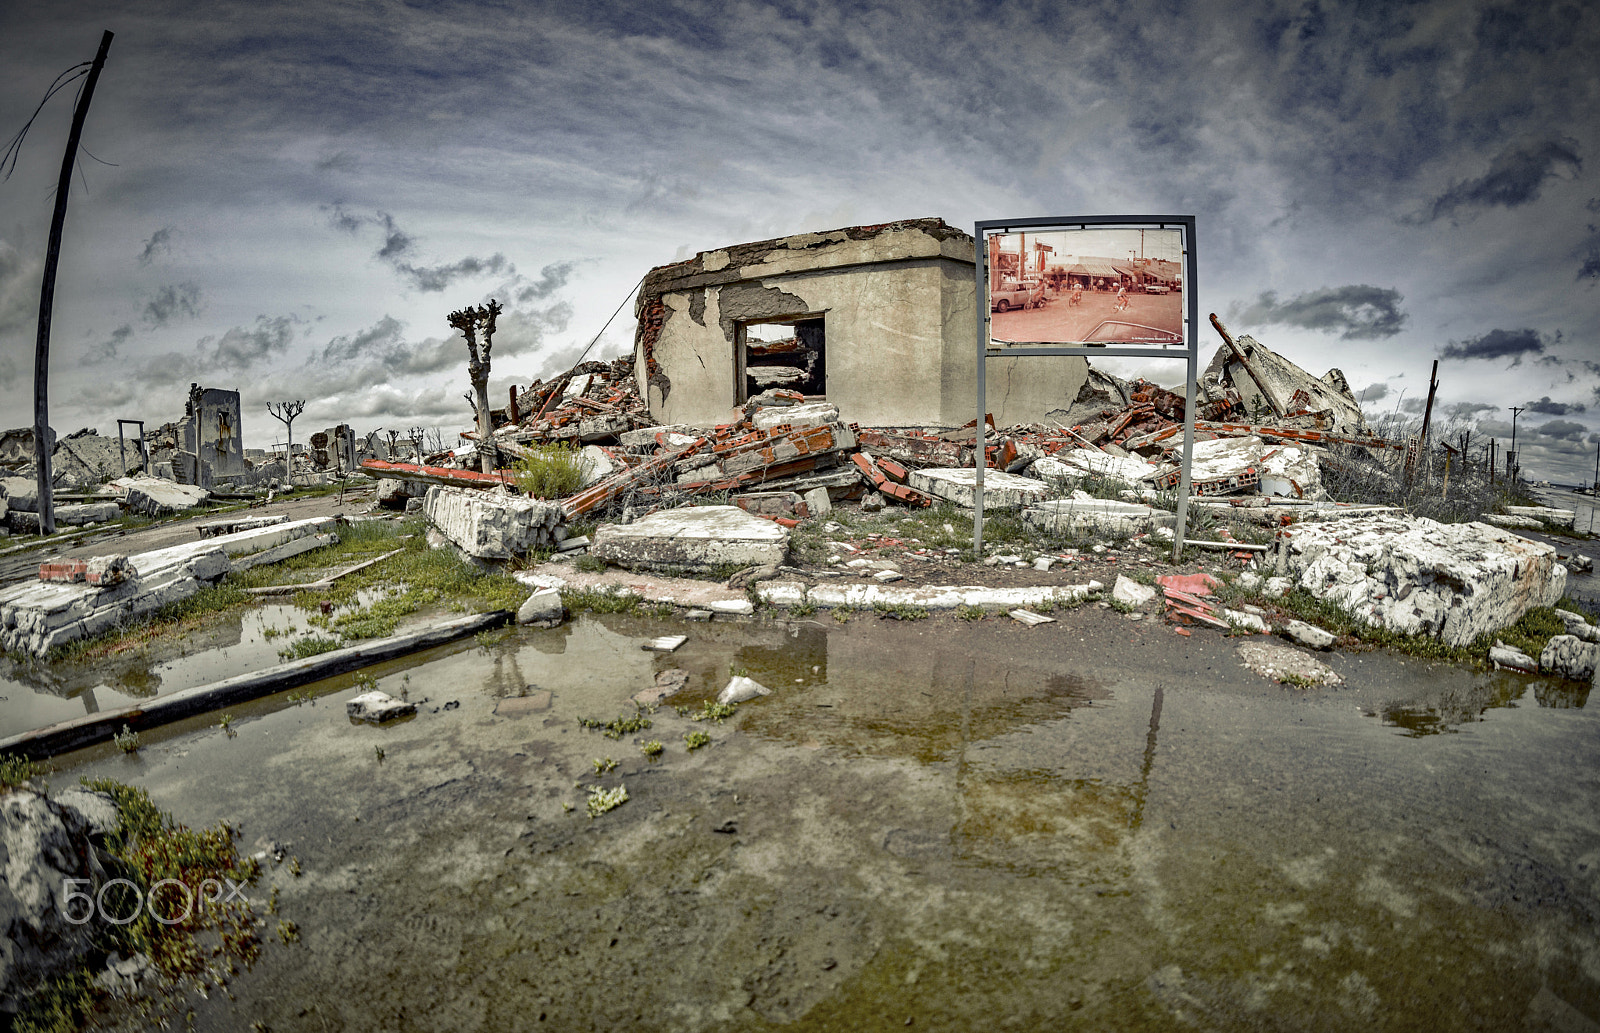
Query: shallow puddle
[{"x": 931, "y": 825}]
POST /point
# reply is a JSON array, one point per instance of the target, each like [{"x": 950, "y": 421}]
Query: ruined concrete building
[
  {"x": 877, "y": 320},
  {"x": 212, "y": 439}
]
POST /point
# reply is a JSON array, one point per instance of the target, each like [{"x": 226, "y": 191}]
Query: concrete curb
[
  {"x": 931, "y": 597},
  {"x": 79, "y": 732}
]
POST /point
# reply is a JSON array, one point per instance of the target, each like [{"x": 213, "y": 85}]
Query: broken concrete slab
[
  {"x": 156, "y": 497},
  {"x": 542, "y": 609},
  {"x": 489, "y": 525},
  {"x": 1546, "y": 514},
  {"x": 812, "y": 414},
  {"x": 695, "y": 538},
  {"x": 1077, "y": 462},
  {"x": 1030, "y": 619},
  {"x": 595, "y": 465},
  {"x": 1130, "y": 592},
  {"x": 818, "y": 504},
  {"x": 1104, "y": 516},
  {"x": 1512, "y": 658},
  {"x": 1000, "y": 490},
  {"x": 668, "y": 683},
  {"x": 1568, "y": 656},
  {"x": 1413, "y": 575},
  {"x": 1308, "y": 635},
  {"x": 665, "y": 643},
  {"x": 929, "y": 597},
  {"x": 377, "y": 707}
]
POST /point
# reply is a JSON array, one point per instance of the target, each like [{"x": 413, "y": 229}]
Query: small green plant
[
  {"x": 310, "y": 646},
  {"x": 710, "y": 710},
  {"x": 971, "y": 613},
  {"x": 378, "y": 752},
  {"x": 1299, "y": 681},
  {"x": 567, "y": 807},
  {"x": 618, "y": 726},
  {"x": 604, "y": 764},
  {"x": 597, "y": 601},
  {"x": 803, "y": 610},
  {"x": 1121, "y": 607},
  {"x": 365, "y": 681},
  {"x": 602, "y": 800},
  {"x": 225, "y": 722},
  {"x": 294, "y": 867},
  {"x": 900, "y": 611},
  {"x": 15, "y": 770},
  {"x": 270, "y": 633},
  {"x": 653, "y": 748},
  {"x": 663, "y": 611},
  {"x": 127, "y": 740},
  {"x": 590, "y": 564},
  {"x": 841, "y": 614},
  {"x": 696, "y": 739},
  {"x": 288, "y": 931},
  {"x": 549, "y": 471}
]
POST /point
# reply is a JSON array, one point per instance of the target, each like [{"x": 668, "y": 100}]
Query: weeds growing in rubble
[
  {"x": 549, "y": 471},
  {"x": 15, "y": 770},
  {"x": 311, "y": 645},
  {"x": 971, "y": 613},
  {"x": 590, "y": 564},
  {"x": 597, "y": 601},
  {"x": 900, "y": 611},
  {"x": 696, "y": 739},
  {"x": 127, "y": 740},
  {"x": 602, "y": 800},
  {"x": 841, "y": 614}
]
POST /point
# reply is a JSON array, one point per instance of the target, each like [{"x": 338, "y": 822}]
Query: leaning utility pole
[
  {"x": 42, "y": 442},
  {"x": 1511, "y": 456}
]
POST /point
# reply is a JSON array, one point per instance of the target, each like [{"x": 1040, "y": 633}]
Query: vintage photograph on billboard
[{"x": 1095, "y": 285}]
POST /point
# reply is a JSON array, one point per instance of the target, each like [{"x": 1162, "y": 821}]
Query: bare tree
[
  {"x": 285, "y": 412},
  {"x": 477, "y": 326}
]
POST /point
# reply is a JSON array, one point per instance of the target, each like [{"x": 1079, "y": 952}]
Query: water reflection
[{"x": 1448, "y": 709}]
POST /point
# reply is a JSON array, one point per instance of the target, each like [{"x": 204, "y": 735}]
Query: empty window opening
[{"x": 787, "y": 355}]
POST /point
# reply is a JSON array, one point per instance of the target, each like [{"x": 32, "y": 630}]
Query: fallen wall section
[{"x": 1418, "y": 576}]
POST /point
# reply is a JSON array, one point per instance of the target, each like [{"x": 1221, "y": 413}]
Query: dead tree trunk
[
  {"x": 285, "y": 412},
  {"x": 42, "y": 438},
  {"x": 477, "y": 326}
]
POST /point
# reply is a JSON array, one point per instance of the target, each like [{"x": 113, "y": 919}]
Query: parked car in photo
[
  {"x": 1116, "y": 331},
  {"x": 1157, "y": 288},
  {"x": 1010, "y": 294}
]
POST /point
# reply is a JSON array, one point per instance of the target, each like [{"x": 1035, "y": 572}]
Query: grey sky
[{"x": 301, "y": 192}]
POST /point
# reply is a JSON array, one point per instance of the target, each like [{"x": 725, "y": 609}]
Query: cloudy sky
[{"x": 288, "y": 199}]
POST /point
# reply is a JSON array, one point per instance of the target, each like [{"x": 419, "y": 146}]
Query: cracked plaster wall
[{"x": 898, "y": 302}]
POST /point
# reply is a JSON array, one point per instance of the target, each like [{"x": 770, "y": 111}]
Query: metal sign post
[{"x": 1189, "y": 350}]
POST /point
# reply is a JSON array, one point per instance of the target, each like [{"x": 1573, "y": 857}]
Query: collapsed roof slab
[{"x": 897, "y": 307}]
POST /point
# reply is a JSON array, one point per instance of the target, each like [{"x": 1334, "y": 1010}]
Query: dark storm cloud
[
  {"x": 1413, "y": 405},
  {"x": 1546, "y": 407},
  {"x": 1562, "y": 429},
  {"x": 1515, "y": 177},
  {"x": 551, "y": 279},
  {"x": 1496, "y": 344},
  {"x": 242, "y": 347},
  {"x": 160, "y": 243},
  {"x": 1373, "y": 393},
  {"x": 171, "y": 301},
  {"x": 111, "y": 347},
  {"x": 1466, "y": 410},
  {"x": 1356, "y": 312},
  {"x": 398, "y": 246},
  {"x": 431, "y": 279},
  {"x": 1590, "y": 269}
]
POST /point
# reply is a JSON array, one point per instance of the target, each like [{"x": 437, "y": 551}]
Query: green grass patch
[
  {"x": 311, "y": 645},
  {"x": 617, "y": 727},
  {"x": 900, "y": 611},
  {"x": 590, "y": 564},
  {"x": 549, "y": 472},
  {"x": 696, "y": 739},
  {"x": 971, "y": 613}
]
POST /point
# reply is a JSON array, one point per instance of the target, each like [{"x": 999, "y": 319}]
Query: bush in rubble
[{"x": 549, "y": 471}]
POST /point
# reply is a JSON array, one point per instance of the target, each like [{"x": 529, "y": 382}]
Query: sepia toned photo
[{"x": 1087, "y": 286}]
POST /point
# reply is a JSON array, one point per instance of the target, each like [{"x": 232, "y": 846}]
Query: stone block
[
  {"x": 1546, "y": 514},
  {"x": 594, "y": 465},
  {"x": 773, "y": 503},
  {"x": 1568, "y": 656},
  {"x": 1104, "y": 516},
  {"x": 542, "y": 609},
  {"x": 378, "y": 707},
  {"x": 1578, "y": 626},
  {"x": 491, "y": 525},
  {"x": 1417, "y": 576},
  {"x": 812, "y": 414},
  {"x": 696, "y": 537},
  {"x": 818, "y": 504},
  {"x": 1502, "y": 655},
  {"x": 1001, "y": 490}
]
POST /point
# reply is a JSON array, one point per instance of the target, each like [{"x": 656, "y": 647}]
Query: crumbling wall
[
  {"x": 212, "y": 432},
  {"x": 897, "y": 301}
]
